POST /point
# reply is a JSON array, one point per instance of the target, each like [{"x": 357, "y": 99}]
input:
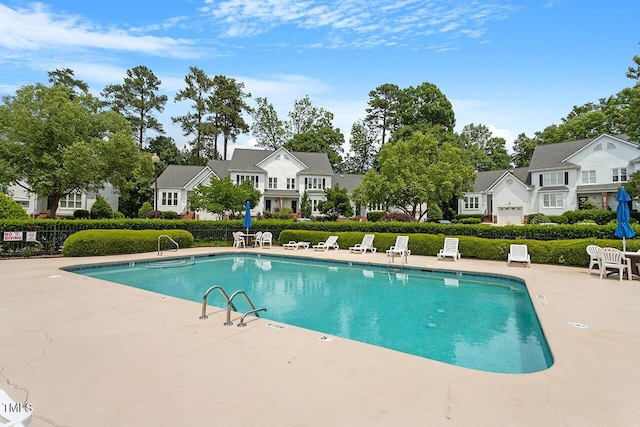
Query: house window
[
  {"x": 588, "y": 177},
  {"x": 314, "y": 205},
  {"x": 552, "y": 178},
  {"x": 169, "y": 198},
  {"x": 611, "y": 146},
  {"x": 315, "y": 183},
  {"x": 273, "y": 182},
  {"x": 72, "y": 201},
  {"x": 471, "y": 202},
  {"x": 552, "y": 200},
  {"x": 253, "y": 178},
  {"x": 291, "y": 184},
  {"x": 619, "y": 174}
]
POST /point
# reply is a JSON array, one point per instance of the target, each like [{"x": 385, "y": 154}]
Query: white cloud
[{"x": 38, "y": 29}]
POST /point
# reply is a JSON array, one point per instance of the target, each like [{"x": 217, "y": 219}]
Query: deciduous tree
[
  {"x": 55, "y": 146},
  {"x": 267, "y": 127},
  {"x": 223, "y": 196},
  {"x": 336, "y": 203}
]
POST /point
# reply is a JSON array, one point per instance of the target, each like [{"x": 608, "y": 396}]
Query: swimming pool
[{"x": 482, "y": 322}]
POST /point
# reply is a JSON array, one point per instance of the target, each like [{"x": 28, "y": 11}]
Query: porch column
[{"x": 605, "y": 206}]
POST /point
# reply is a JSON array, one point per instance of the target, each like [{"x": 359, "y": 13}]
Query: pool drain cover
[{"x": 578, "y": 325}]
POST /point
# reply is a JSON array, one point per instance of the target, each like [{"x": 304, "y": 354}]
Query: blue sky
[{"x": 514, "y": 66}]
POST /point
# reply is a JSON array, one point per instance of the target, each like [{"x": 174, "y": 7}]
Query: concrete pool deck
[{"x": 85, "y": 352}]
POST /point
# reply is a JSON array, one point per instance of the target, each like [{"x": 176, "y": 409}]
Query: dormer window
[
  {"x": 611, "y": 146},
  {"x": 597, "y": 147}
]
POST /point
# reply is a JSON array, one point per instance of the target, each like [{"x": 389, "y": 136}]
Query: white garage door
[{"x": 510, "y": 215}]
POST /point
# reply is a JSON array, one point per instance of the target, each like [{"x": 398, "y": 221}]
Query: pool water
[{"x": 482, "y": 322}]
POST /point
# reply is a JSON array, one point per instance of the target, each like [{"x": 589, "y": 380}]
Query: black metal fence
[{"x": 48, "y": 240}]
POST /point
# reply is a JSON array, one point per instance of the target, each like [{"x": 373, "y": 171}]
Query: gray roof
[
  {"x": 176, "y": 176},
  {"x": 551, "y": 156},
  {"x": 484, "y": 180},
  {"x": 348, "y": 181},
  {"x": 245, "y": 159},
  {"x": 220, "y": 167}
]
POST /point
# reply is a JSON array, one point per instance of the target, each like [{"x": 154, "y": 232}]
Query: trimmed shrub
[
  {"x": 470, "y": 221},
  {"x": 434, "y": 212},
  {"x": 170, "y": 215},
  {"x": 463, "y": 216},
  {"x": 538, "y": 218},
  {"x": 101, "y": 209},
  {"x": 81, "y": 214},
  {"x": 10, "y": 209},
  {"x": 114, "y": 242},
  {"x": 397, "y": 216},
  {"x": 152, "y": 214},
  {"x": 374, "y": 216},
  {"x": 562, "y": 252}
]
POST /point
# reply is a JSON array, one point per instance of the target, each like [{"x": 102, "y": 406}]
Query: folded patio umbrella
[
  {"x": 623, "y": 229},
  {"x": 247, "y": 216}
]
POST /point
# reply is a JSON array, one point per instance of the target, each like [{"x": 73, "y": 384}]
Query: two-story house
[
  {"x": 280, "y": 175},
  {"x": 560, "y": 177}
]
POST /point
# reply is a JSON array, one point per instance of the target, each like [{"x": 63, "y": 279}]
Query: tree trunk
[
  {"x": 52, "y": 204},
  {"x": 226, "y": 139}
]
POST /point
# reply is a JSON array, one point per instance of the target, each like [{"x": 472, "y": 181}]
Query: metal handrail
[
  {"x": 242, "y": 324},
  {"x": 167, "y": 236},
  {"x": 233, "y": 295},
  {"x": 204, "y": 301}
]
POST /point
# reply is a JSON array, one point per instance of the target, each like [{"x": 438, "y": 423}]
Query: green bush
[
  {"x": 463, "y": 216},
  {"x": 10, "y": 209},
  {"x": 81, "y": 214},
  {"x": 374, "y": 216},
  {"x": 470, "y": 221},
  {"x": 397, "y": 216},
  {"x": 170, "y": 215},
  {"x": 114, "y": 242},
  {"x": 154, "y": 214},
  {"x": 538, "y": 218},
  {"x": 562, "y": 252},
  {"x": 559, "y": 219},
  {"x": 589, "y": 205},
  {"x": 595, "y": 215},
  {"x": 101, "y": 209},
  {"x": 434, "y": 212},
  {"x": 144, "y": 210}
]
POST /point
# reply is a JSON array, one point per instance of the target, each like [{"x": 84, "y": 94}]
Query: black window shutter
[
  {"x": 540, "y": 180},
  {"x": 566, "y": 178}
]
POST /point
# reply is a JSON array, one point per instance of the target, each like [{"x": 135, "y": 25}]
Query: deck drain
[
  {"x": 577, "y": 325},
  {"x": 543, "y": 303},
  {"x": 539, "y": 296},
  {"x": 164, "y": 298},
  {"x": 276, "y": 326},
  {"x": 325, "y": 338},
  {"x": 55, "y": 276}
]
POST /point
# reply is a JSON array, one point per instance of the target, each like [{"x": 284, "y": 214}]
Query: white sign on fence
[
  {"x": 13, "y": 236},
  {"x": 31, "y": 236}
]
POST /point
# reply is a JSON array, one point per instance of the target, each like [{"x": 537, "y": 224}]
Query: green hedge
[
  {"x": 114, "y": 242},
  {"x": 562, "y": 252}
]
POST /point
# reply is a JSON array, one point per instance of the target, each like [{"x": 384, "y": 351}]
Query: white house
[
  {"x": 559, "y": 178},
  {"x": 280, "y": 175},
  {"x": 35, "y": 205}
]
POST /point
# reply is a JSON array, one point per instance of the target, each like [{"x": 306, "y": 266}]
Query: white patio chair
[
  {"x": 330, "y": 243},
  {"x": 450, "y": 249},
  {"x": 519, "y": 253},
  {"x": 267, "y": 237},
  {"x": 238, "y": 239},
  {"x": 366, "y": 245},
  {"x": 400, "y": 248},
  {"x": 15, "y": 414},
  {"x": 257, "y": 239},
  {"x": 592, "y": 250},
  {"x": 613, "y": 259}
]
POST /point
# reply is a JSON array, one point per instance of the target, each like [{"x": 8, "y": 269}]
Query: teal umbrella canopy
[{"x": 623, "y": 229}]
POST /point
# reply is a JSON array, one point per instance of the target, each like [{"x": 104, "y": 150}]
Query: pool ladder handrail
[
  {"x": 253, "y": 310},
  {"x": 230, "y": 305},
  {"x": 167, "y": 236},
  {"x": 204, "y": 300}
]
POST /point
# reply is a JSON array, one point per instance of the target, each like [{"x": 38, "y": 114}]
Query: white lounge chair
[
  {"x": 366, "y": 245},
  {"x": 519, "y": 253},
  {"x": 267, "y": 237},
  {"x": 613, "y": 259},
  {"x": 593, "y": 250},
  {"x": 400, "y": 248},
  {"x": 331, "y": 242},
  {"x": 238, "y": 239},
  {"x": 296, "y": 245},
  {"x": 450, "y": 249},
  {"x": 15, "y": 414}
]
